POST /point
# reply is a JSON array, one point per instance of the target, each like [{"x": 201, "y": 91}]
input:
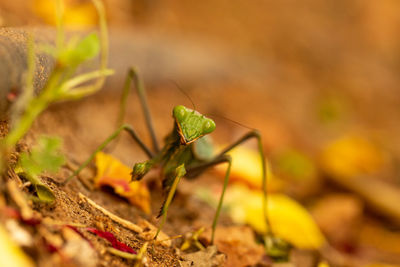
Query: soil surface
[{"x": 83, "y": 125}]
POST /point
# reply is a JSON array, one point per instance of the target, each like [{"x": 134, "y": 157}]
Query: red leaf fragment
[
  {"x": 12, "y": 96},
  {"x": 11, "y": 212},
  {"x": 113, "y": 240},
  {"x": 15, "y": 214},
  {"x": 31, "y": 221},
  {"x": 76, "y": 230},
  {"x": 51, "y": 248}
]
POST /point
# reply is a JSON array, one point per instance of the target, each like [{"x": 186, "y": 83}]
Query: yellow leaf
[
  {"x": 10, "y": 254},
  {"x": 77, "y": 14},
  {"x": 323, "y": 264},
  {"x": 289, "y": 220},
  {"x": 351, "y": 156},
  {"x": 246, "y": 168},
  {"x": 111, "y": 172}
]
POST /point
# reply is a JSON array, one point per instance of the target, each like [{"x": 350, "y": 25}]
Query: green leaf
[
  {"x": 78, "y": 52},
  {"x": 28, "y": 165},
  {"x": 43, "y": 157},
  {"x": 44, "y": 193},
  {"x": 31, "y": 178},
  {"x": 47, "y": 154}
]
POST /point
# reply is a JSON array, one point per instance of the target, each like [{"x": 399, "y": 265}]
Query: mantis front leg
[{"x": 180, "y": 171}]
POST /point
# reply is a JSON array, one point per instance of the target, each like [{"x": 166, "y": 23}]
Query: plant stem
[{"x": 35, "y": 108}]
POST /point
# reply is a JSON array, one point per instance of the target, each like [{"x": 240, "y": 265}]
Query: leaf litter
[{"x": 70, "y": 207}]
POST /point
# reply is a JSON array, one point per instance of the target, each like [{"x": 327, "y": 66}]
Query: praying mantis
[{"x": 187, "y": 150}]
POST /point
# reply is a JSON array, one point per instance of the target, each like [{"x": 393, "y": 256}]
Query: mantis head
[{"x": 191, "y": 124}]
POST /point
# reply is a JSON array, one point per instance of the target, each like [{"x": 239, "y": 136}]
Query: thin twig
[
  {"x": 125, "y": 223},
  {"x": 19, "y": 199},
  {"x": 49, "y": 221},
  {"x": 167, "y": 239}
]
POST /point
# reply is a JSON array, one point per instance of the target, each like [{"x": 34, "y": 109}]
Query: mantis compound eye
[
  {"x": 208, "y": 126},
  {"x": 179, "y": 113}
]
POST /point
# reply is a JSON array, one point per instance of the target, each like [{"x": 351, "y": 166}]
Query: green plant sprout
[
  {"x": 187, "y": 150},
  {"x": 46, "y": 156},
  {"x": 62, "y": 84},
  {"x": 139, "y": 259}
]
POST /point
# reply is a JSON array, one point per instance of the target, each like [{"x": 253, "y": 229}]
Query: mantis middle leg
[
  {"x": 114, "y": 135},
  {"x": 132, "y": 75}
]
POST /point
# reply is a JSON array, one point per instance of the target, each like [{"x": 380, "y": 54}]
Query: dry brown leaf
[
  {"x": 239, "y": 245},
  {"x": 204, "y": 258},
  {"x": 339, "y": 216}
]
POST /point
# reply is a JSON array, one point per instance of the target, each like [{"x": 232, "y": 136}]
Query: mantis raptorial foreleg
[
  {"x": 114, "y": 135},
  {"x": 179, "y": 173}
]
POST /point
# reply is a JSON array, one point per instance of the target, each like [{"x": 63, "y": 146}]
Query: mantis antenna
[
  {"x": 230, "y": 120},
  {"x": 183, "y": 92}
]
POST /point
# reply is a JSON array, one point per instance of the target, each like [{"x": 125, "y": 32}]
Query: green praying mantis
[{"x": 187, "y": 150}]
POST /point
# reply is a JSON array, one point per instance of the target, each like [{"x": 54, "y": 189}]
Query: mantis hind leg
[
  {"x": 179, "y": 173},
  {"x": 114, "y": 135},
  {"x": 132, "y": 76},
  {"x": 203, "y": 166},
  {"x": 221, "y": 158},
  {"x": 255, "y": 134},
  {"x": 227, "y": 159}
]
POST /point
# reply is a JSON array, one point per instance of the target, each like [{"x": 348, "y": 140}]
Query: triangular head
[{"x": 191, "y": 124}]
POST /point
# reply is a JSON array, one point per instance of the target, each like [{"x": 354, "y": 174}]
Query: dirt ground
[
  {"x": 75, "y": 122},
  {"x": 186, "y": 215}
]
